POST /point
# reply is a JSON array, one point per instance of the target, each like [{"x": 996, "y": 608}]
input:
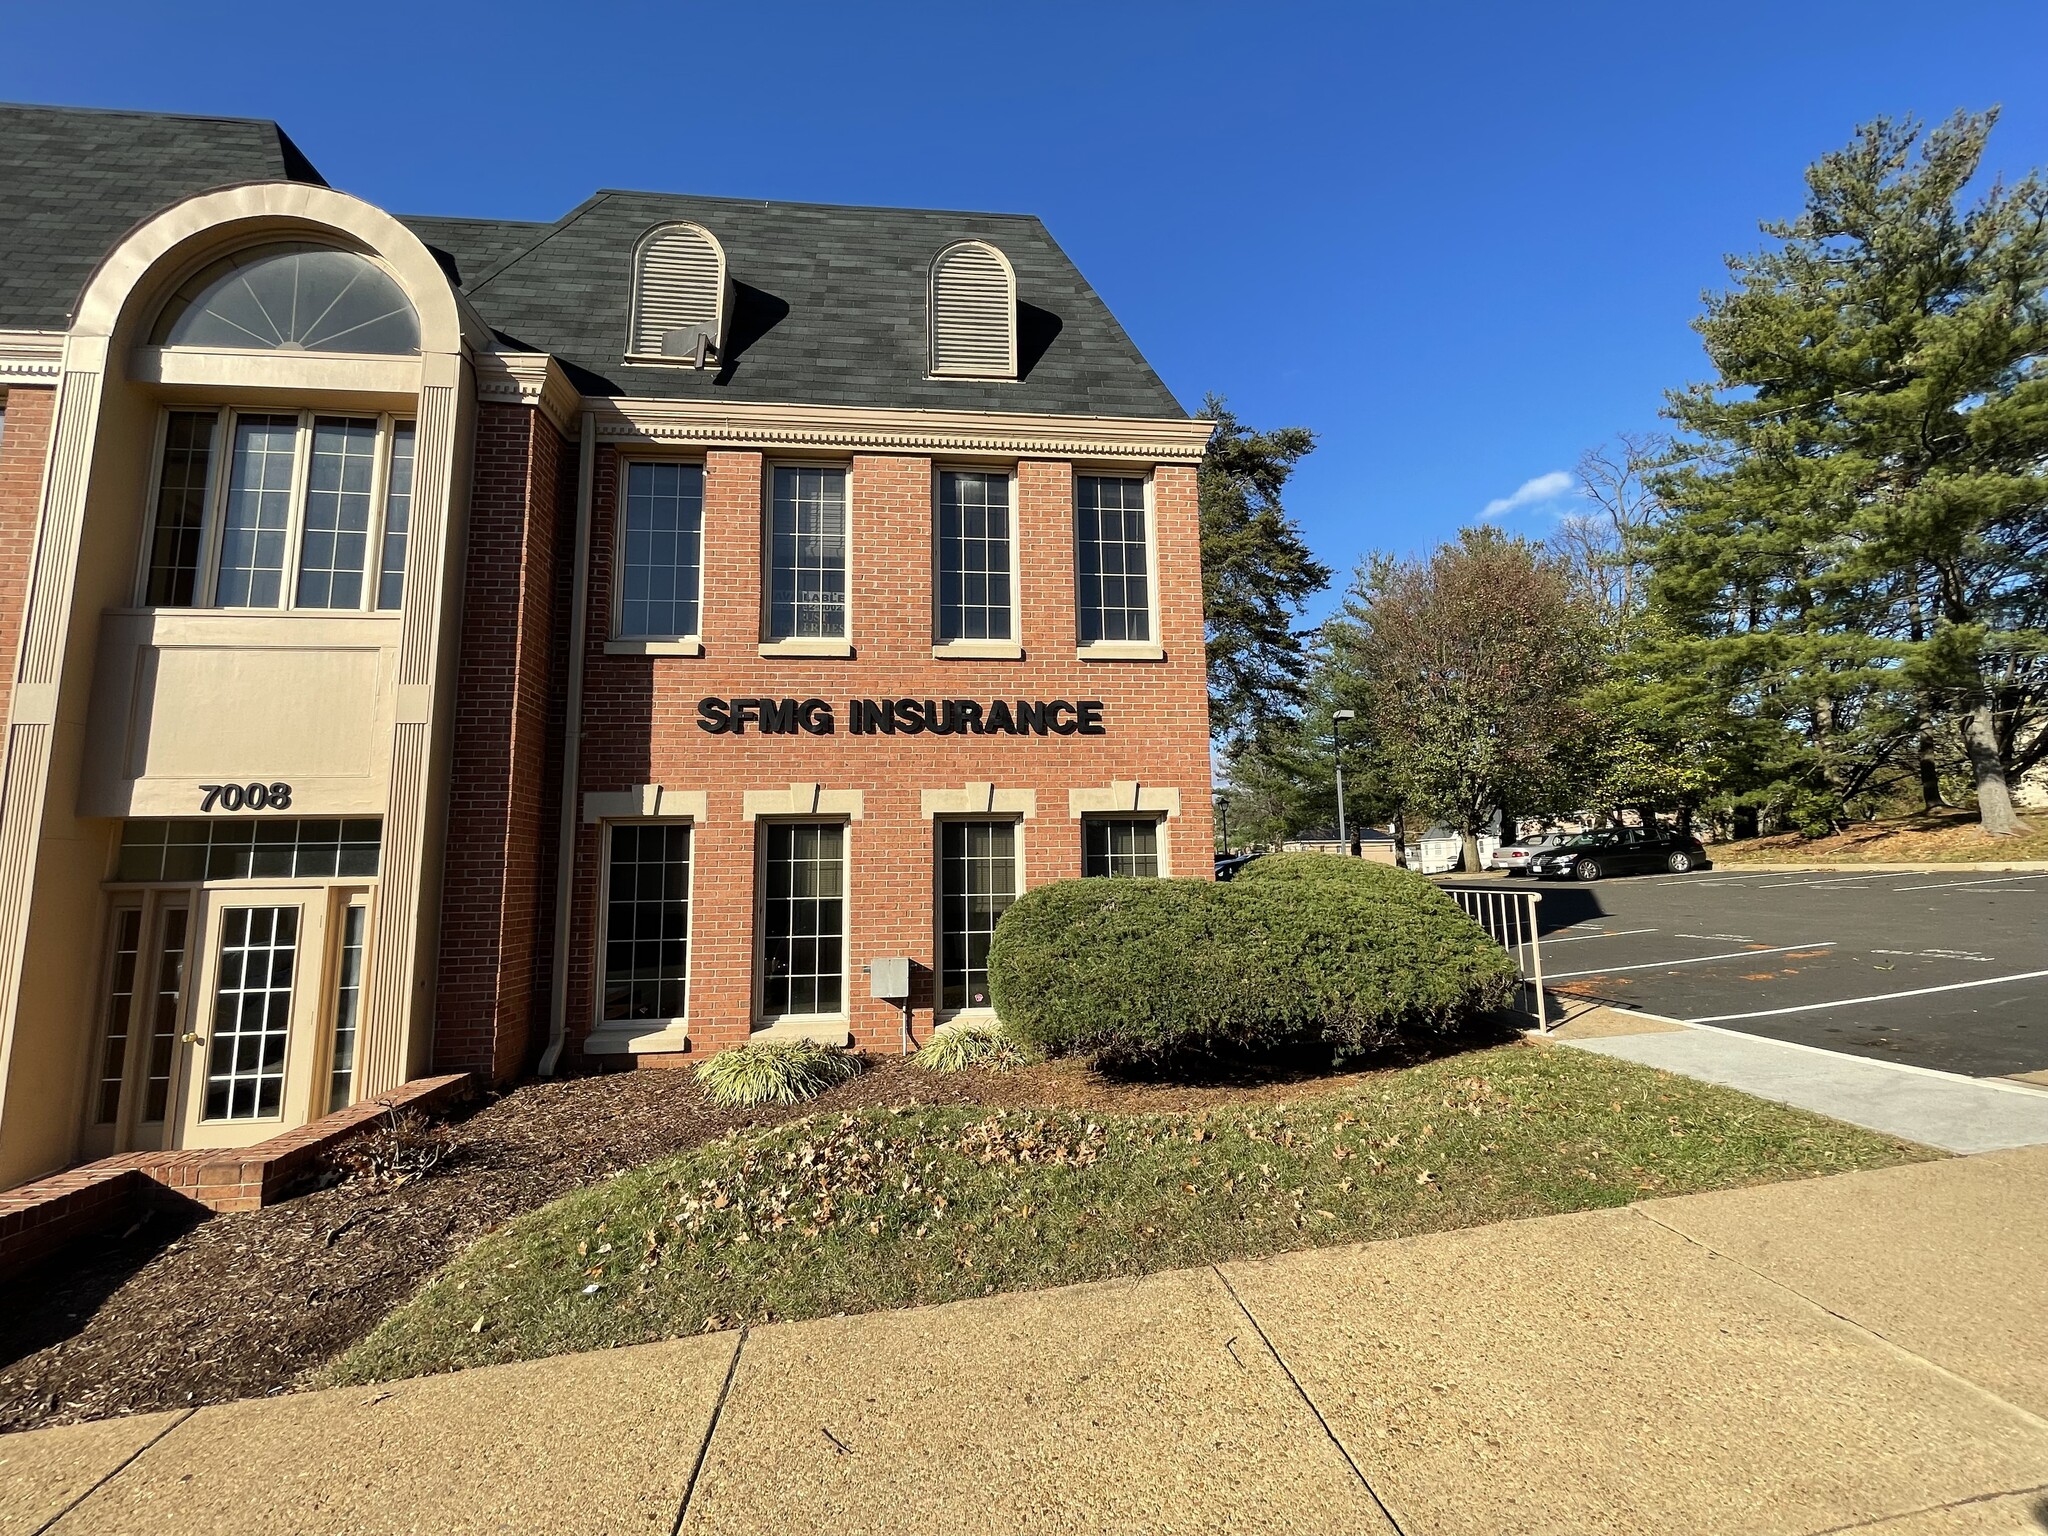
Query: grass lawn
[
  {"x": 1943, "y": 838},
  {"x": 848, "y": 1212}
]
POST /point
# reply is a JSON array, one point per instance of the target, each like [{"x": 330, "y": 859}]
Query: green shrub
[
  {"x": 961, "y": 1046},
  {"x": 775, "y": 1072},
  {"x": 1299, "y": 948}
]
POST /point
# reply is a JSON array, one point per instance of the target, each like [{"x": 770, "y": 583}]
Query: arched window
[
  {"x": 678, "y": 296},
  {"x": 973, "y": 313},
  {"x": 291, "y": 298}
]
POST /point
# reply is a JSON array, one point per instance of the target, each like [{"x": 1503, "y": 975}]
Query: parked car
[
  {"x": 1228, "y": 864},
  {"x": 1515, "y": 857},
  {"x": 1619, "y": 851}
]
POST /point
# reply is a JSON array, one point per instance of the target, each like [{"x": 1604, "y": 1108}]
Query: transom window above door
[{"x": 268, "y": 509}]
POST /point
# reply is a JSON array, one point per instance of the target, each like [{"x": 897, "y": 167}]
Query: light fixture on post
[
  {"x": 1223, "y": 815},
  {"x": 1337, "y": 718}
]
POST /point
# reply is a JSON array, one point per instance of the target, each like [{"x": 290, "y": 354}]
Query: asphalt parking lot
[{"x": 1948, "y": 970}]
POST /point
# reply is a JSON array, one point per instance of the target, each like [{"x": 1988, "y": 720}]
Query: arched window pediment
[
  {"x": 291, "y": 297},
  {"x": 678, "y": 313},
  {"x": 973, "y": 318}
]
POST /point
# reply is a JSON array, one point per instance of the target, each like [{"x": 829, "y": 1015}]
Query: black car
[{"x": 1619, "y": 851}]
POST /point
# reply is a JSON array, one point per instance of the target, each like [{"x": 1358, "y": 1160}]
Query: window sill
[
  {"x": 806, "y": 648},
  {"x": 978, "y": 650},
  {"x": 687, "y": 647},
  {"x": 967, "y": 1018},
  {"x": 825, "y": 1031},
  {"x": 1121, "y": 650},
  {"x": 645, "y": 1037}
]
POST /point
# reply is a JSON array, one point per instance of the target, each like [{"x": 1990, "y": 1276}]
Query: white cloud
[{"x": 1532, "y": 493}]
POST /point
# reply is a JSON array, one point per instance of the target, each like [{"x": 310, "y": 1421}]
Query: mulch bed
[{"x": 174, "y": 1313}]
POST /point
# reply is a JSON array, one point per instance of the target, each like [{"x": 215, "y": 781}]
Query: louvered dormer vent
[
  {"x": 973, "y": 313},
  {"x": 679, "y": 299}
]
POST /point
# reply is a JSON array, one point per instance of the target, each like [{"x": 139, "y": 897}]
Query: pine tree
[
  {"x": 1257, "y": 573},
  {"x": 1858, "y": 544}
]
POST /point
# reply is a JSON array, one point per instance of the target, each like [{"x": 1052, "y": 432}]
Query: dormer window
[
  {"x": 291, "y": 298},
  {"x": 678, "y": 297},
  {"x": 973, "y": 313}
]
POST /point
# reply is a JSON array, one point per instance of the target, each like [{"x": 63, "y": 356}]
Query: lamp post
[
  {"x": 1337, "y": 718},
  {"x": 1223, "y": 811}
]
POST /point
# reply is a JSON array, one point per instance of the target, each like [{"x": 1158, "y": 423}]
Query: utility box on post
[{"x": 890, "y": 979}]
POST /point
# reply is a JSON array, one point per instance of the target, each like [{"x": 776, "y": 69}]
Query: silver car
[{"x": 1515, "y": 857}]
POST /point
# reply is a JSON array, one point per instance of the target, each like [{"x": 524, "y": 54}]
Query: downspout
[{"x": 572, "y": 744}]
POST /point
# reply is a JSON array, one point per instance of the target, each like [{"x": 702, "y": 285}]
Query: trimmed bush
[
  {"x": 775, "y": 1072},
  {"x": 961, "y": 1046},
  {"x": 1299, "y": 948}
]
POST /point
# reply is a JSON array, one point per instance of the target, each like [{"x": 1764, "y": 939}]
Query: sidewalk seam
[
  {"x": 1295, "y": 1381},
  {"x": 1896, "y": 1348},
  {"x": 732, "y": 1368},
  {"x": 127, "y": 1462},
  {"x": 1932, "y": 1509}
]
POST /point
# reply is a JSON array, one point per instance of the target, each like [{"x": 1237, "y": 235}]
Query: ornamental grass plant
[
  {"x": 775, "y": 1072},
  {"x": 959, "y": 1047}
]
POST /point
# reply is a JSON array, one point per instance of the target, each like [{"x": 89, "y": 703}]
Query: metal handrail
[{"x": 1509, "y": 918}]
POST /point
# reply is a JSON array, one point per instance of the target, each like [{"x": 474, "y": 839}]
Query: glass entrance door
[{"x": 251, "y": 1046}]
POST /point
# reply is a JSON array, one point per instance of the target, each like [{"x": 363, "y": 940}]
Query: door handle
[{"x": 189, "y": 1038}]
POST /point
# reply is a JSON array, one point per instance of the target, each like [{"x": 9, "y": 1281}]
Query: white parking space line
[
  {"x": 1612, "y": 933},
  {"x": 1948, "y": 885},
  {"x": 1875, "y": 997},
  {"x": 1658, "y": 965},
  {"x": 1734, "y": 879},
  {"x": 1780, "y": 885}
]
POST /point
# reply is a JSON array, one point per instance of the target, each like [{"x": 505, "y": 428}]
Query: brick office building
[{"x": 453, "y": 644}]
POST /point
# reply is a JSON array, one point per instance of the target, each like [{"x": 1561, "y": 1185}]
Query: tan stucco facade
[{"x": 120, "y": 711}]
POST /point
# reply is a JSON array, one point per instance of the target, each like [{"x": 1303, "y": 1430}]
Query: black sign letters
[{"x": 903, "y": 717}]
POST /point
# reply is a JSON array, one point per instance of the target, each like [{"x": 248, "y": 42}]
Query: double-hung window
[
  {"x": 803, "y": 918},
  {"x": 267, "y": 509},
  {"x": 977, "y": 584},
  {"x": 1114, "y": 560},
  {"x": 661, "y": 558},
  {"x": 647, "y": 922},
  {"x": 977, "y": 883},
  {"x": 1120, "y": 848},
  {"x": 807, "y": 553}
]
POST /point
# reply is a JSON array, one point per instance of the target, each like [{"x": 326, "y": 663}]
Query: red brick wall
[
  {"x": 640, "y": 722},
  {"x": 24, "y": 443},
  {"x": 495, "y": 925}
]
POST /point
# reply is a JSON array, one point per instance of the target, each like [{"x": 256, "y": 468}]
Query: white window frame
[
  {"x": 1153, "y": 649},
  {"x": 639, "y": 1036},
  {"x": 1011, "y": 649},
  {"x": 618, "y": 642},
  {"x": 803, "y": 645},
  {"x": 942, "y": 1015},
  {"x": 828, "y": 1028},
  {"x": 206, "y": 583}
]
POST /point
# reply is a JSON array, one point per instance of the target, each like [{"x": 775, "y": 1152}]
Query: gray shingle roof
[
  {"x": 830, "y": 301},
  {"x": 468, "y": 248},
  {"x": 830, "y": 309},
  {"x": 73, "y": 181}
]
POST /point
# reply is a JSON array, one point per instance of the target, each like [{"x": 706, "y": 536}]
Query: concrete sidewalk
[
  {"x": 1864, "y": 1352},
  {"x": 1935, "y": 1109}
]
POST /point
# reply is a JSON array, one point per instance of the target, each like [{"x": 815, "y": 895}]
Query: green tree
[
  {"x": 1857, "y": 545},
  {"x": 1257, "y": 573},
  {"x": 1470, "y": 670}
]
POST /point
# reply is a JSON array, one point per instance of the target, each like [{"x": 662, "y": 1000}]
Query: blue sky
[{"x": 1461, "y": 243}]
